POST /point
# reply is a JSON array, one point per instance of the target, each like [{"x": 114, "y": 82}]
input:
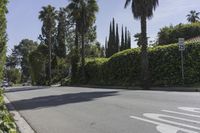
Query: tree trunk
[
  {"x": 144, "y": 54},
  {"x": 83, "y": 56},
  {"x": 49, "y": 41},
  {"x": 75, "y": 57}
]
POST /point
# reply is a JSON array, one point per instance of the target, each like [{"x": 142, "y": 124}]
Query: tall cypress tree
[
  {"x": 3, "y": 38},
  {"x": 129, "y": 40},
  {"x": 106, "y": 47},
  {"x": 126, "y": 38},
  {"x": 122, "y": 39},
  {"x": 110, "y": 42},
  {"x": 117, "y": 39},
  {"x": 113, "y": 33}
]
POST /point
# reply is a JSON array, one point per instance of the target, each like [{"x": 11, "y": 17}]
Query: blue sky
[{"x": 23, "y": 17}]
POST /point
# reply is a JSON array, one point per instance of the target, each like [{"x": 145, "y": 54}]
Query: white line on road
[
  {"x": 194, "y": 110},
  {"x": 158, "y": 117},
  {"x": 180, "y": 113},
  {"x": 164, "y": 128}
]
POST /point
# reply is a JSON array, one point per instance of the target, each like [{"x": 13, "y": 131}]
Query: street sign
[{"x": 181, "y": 44}]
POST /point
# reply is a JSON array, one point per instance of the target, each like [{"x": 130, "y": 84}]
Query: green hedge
[
  {"x": 123, "y": 68},
  {"x": 7, "y": 124}
]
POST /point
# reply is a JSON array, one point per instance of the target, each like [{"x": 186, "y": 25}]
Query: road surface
[{"x": 86, "y": 110}]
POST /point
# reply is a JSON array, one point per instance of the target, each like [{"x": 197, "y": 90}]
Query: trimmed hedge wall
[{"x": 123, "y": 68}]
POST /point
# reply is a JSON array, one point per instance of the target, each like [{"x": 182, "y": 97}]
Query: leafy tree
[
  {"x": 170, "y": 34},
  {"x": 38, "y": 60},
  {"x": 48, "y": 17},
  {"x": 143, "y": 10},
  {"x": 21, "y": 53},
  {"x": 13, "y": 75},
  {"x": 193, "y": 16},
  {"x": 138, "y": 38},
  {"x": 3, "y": 35},
  {"x": 11, "y": 61}
]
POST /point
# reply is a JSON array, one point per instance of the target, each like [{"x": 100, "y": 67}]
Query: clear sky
[{"x": 23, "y": 17}]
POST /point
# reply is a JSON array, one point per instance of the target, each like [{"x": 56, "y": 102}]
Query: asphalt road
[{"x": 85, "y": 110}]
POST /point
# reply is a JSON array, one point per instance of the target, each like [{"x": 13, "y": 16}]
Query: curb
[{"x": 21, "y": 123}]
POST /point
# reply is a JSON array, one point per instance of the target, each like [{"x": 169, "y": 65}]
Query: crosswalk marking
[{"x": 167, "y": 123}]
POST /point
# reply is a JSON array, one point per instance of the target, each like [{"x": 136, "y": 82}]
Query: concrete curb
[
  {"x": 179, "y": 89},
  {"x": 21, "y": 123}
]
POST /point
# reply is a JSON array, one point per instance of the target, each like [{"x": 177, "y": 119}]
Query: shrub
[
  {"x": 123, "y": 68},
  {"x": 7, "y": 124},
  {"x": 38, "y": 61}
]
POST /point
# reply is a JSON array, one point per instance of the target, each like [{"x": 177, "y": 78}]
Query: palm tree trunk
[
  {"x": 49, "y": 41},
  {"x": 144, "y": 54},
  {"x": 75, "y": 57},
  {"x": 83, "y": 56}
]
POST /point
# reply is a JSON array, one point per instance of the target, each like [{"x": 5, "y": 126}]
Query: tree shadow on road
[{"x": 57, "y": 100}]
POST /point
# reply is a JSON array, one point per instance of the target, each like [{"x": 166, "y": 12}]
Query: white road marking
[
  {"x": 164, "y": 128},
  {"x": 178, "y": 118},
  {"x": 180, "y": 113},
  {"x": 164, "y": 125},
  {"x": 158, "y": 118},
  {"x": 195, "y": 110}
]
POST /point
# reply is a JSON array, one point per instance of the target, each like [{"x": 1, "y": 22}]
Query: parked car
[{"x": 5, "y": 84}]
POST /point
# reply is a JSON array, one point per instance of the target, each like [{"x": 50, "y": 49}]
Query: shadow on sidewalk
[{"x": 57, "y": 100}]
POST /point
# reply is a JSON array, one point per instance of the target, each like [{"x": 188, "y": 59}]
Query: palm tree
[
  {"x": 73, "y": 10},
  {"x": 84, "y": 14},
  {"x": 193, "y": 16},
  {"x": 48, "y": 16},
  {"x": 143, "y": 10}
]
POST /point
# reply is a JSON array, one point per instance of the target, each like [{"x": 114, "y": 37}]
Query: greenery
[
  {"x": 168, "y": 35},
  {"x": 3, "y": 36},
  {"x": 113, "y": 43},
  {"x": 20, "y": 56},
  {"x": 193, "y": 17},
  {"x": 13, "y": 75},
  {"x": 143, "y": 10},
  {"x": 7, "y": 124},
  {"x": 123, "y": 68}
]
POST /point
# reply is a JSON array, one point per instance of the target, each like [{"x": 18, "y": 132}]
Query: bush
[
  {"x": 124, "y": 67},
  {"x": 38, "y": 61},
  {"x": 13, "y": 75},
  {"x": 168, "y": 35},
  {"x": 7, "y": 124}
]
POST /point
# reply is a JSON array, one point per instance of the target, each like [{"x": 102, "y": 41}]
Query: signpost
[{"x": 181, "y": 45}]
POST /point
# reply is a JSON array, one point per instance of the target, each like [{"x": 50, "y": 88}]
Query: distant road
[{"x": 85, "y": 110}]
